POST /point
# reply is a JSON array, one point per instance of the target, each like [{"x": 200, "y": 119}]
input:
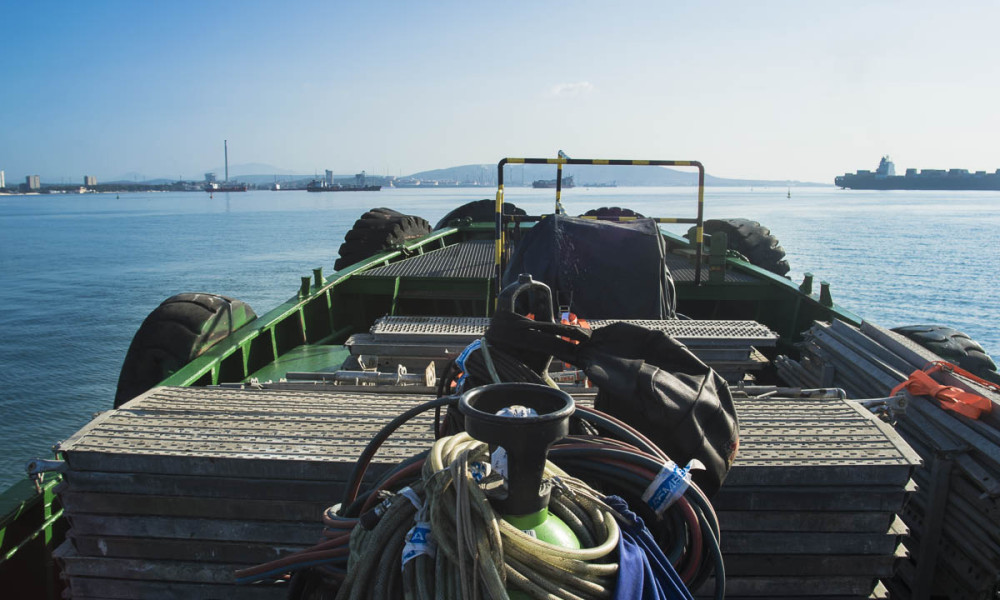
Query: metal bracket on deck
[
  {"x": 893, "y": 404},
  {"x": 37, "y": 467}
]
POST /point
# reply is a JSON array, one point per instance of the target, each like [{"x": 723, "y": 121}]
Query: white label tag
[
  {"x": 499, "y": 461},
  {"x": 412, "y": 496},
  {"x": 668, "y": 485},
  {"x": 419, "y": 541}
]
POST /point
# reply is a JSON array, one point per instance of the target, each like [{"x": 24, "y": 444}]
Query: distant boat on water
[
  {"x": 226, "y": 187},
  {"x": 567, "y": 182},
  {"x": 885, "y": 178}
]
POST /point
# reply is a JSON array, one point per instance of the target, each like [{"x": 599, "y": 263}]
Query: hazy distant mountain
[
  {"x": 583, "y": 175},
  {"x": 486, "y": 174}
]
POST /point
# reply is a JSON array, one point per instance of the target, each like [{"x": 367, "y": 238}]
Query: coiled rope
[
  {"x": 688, "y": 531},
  {"x": 479, "y": 555}
]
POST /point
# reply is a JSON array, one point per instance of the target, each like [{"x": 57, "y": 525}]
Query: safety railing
[{"x": 500, "y": 257}]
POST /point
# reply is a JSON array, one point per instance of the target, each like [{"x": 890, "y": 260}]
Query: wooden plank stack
[
  {"x": 809, "y": 508},
  {"x": 172, "y": 493},
  {"x": 954, "y": 519}
]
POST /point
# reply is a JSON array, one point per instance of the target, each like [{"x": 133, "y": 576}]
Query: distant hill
[
  {"x": 598, "y": 174},
  {"x": 485, "y": 174}
]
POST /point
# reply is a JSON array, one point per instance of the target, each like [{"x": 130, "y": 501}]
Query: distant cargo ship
[
  {"x": 226, "y": 187},
  {"x": 567, "y": 182},
  {"x": 885, "y": 178}
]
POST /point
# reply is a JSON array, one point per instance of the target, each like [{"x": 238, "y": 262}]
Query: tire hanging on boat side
[
  {"x": 376, "y": 231},
  {"x": 177, "y": 331},
  {"x": 752, "y": 240},
  {"x": 955, "y": 347},
  {"x": 612, "y": 211},
  {"x": 477, "y": 211}
]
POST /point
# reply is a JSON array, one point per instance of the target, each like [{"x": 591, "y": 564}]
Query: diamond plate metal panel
[{"x": 465, "y": 260}]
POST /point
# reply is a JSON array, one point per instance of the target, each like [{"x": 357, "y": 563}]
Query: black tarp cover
[{"x": 601, "y": 269}]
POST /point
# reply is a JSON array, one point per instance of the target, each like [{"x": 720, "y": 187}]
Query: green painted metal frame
[
  {"x": 31, "y": 527},
  {"x": 327, "y": 311},
  {"x": 310, "y": 317}
]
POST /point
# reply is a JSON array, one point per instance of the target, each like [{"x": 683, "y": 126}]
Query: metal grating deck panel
[
  {"x": 474, "y": 259},
  {"x": 284, "y": 434},
  {"x": 468, "y": 259},
  {"x": 682, "y": 270},
  {"x": 455, "y": 329},
  {"x": 791, "y": 441},
  {"x": 243, "y": 433}
]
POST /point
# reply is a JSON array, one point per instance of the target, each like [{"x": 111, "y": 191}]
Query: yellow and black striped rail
[{"x": 499, "y": 258}]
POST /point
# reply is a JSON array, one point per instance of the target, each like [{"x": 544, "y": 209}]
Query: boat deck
[{"x": 169, "y": 494}]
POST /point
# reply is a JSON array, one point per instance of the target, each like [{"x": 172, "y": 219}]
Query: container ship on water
[{"x": 885, "y": 178}]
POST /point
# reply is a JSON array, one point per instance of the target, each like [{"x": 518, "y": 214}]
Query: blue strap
[{"x": 643, "y": 570}]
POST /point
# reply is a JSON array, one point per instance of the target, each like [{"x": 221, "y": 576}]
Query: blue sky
[{"x": 769, "y": 90}]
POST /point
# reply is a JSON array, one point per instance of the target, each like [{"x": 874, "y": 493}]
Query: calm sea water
[{"x": 78, "y": 274}]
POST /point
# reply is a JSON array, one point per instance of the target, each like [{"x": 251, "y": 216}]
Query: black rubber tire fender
[
  {"x": 612, "y": 211},
  {"x": 176, "y": 332},
  {"x": 376, "y": 231},
  {"x": 477, "y": 211},
  {"x": 955, "y": 347},
  {"x": 752, "y": 240}
]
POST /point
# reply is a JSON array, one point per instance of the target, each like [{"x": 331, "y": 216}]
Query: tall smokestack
[{"x": 225, "y": 145}]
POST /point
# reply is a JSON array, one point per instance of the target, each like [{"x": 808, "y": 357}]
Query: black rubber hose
[
  {"x": 361, "y": 465},
  {"x": 618, "y": 430},
  {"x": 362, "y": 497},
  {"x": 712, "y": 543}
]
